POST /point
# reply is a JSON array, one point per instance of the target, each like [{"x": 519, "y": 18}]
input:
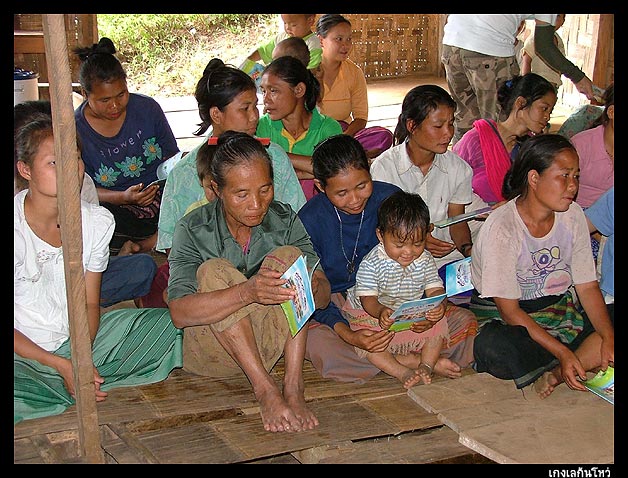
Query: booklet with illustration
[
  {"x": 414, "y": 311},
  {"x": 299, "y": 309},
  {"x": 458, "y": 277},
  {"x": 462, "y": 217},
  {"x": 603, "y": 384}
]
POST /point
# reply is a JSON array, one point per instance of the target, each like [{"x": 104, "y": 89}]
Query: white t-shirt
[
  {"x": 508, "y": 262},
  {"x": 490, "y": 34},
  {"x": 40, "y": 309}
]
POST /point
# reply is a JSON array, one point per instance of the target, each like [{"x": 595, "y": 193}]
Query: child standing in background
[
  {"x": 295, "y": 25},
  {"x": 397, "y": 270}
]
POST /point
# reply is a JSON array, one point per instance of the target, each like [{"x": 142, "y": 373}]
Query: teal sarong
[{"x": 132, "y": 347}]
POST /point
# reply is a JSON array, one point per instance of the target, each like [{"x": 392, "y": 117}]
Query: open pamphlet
[
  {"x": 458, "y": 277},
  {"x": 414, "y": 311},
  {"x": 462, "y": 217},
  {"x": 603, "y": 384},
  {"x": 299, "y": 309}
]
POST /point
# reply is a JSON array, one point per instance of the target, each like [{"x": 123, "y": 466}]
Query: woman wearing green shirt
[
  {"x": 225, "y": 285},
  {"x": 290, "y": 93}
]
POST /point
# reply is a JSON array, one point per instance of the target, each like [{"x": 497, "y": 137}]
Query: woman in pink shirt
[{"x": 596, "y": 149}]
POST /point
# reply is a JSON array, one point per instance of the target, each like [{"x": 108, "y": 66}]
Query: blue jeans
[{"x": 126, "y": 278}]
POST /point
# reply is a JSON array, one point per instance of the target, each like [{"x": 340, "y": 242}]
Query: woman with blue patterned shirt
[{"x": 124, "y": 138}]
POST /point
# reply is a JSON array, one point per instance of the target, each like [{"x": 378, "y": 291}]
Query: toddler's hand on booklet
[{"x": 384, "y": 318}]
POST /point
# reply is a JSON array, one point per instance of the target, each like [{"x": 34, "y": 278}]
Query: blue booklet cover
[
  {"x": 299, "y": 309},
  {"x": 458, "y": 277},
  {"x": 414, "y": 311}
]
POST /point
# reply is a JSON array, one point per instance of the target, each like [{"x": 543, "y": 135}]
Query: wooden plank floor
[
  {"x": 517, "y": 426},
  {"x": 193, "y": 419}
]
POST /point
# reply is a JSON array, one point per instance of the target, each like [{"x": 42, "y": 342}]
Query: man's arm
[{"x": 547, "y": 50}]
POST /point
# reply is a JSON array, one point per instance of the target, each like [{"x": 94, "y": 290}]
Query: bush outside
[{"x": 164, "y": 54}]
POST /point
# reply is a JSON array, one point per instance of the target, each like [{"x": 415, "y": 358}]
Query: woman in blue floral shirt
[{"x": 124, "y": 138}]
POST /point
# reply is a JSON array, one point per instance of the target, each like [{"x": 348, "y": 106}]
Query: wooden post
[{"x": 68, "y": 197}]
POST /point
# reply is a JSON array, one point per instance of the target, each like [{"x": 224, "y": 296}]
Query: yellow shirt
[{"x": 347, "y": 99}]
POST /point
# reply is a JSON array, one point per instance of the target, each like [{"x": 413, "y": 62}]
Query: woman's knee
[{"x": 216, "y": 274}]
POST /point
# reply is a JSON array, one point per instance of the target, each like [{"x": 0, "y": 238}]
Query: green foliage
[{"x": 164, "y": 54}]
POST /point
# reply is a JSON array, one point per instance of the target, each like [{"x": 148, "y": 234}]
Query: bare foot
[
  {"x": 277, "y": 415},
  {"x": 447, "y": 368},
  {"x": 411, "y": 360},
  {"x": 297, "y": 403},
  {"x": 425, "y": 373},
  {"x": 546, "y": 384},
  {"x": 128, "y": 248},
  {"x": 147, "y": 245},
  {"x": 410, "y": 379}
]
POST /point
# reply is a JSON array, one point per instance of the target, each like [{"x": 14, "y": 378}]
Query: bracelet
[{"x": 426, "y": 365}]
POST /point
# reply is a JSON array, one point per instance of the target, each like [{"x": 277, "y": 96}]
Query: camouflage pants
[{"x": 473, "y": 79}]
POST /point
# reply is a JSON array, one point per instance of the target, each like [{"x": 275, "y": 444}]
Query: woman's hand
[
  {"x": 139, "y": 195},
  {"x": 437, "y": 247},
  {"x": 370, "y": 340},
  {"x": 65, "y": 370},
  {"x": 421, "y": 326},
  {"x": 607, "y": 352},
  {"x": 572, "y": 371},
  {"x": 268, "y": 288}
]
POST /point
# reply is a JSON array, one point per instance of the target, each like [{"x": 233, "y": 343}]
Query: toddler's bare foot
[
  {"x": 411, "y": 360},
  {"x": 546, "y": 384},
  {"x": 128, "y": 248},
  {"x": 425, "y": 373},
  {"x": 410, "y": 379},
  {"x": 297, "y": 403},
  {"x": 277, "y": 415},
  {"x": 447, "y": 368}
]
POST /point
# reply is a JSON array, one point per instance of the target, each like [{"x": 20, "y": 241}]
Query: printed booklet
[
  {"x": 603, "y": 384},
  {"x": 414, "y": 311},
  {"x": 458, "y": 277},
  {"x": 462, "y": 217},
  {"x": 299, "y": 309}
]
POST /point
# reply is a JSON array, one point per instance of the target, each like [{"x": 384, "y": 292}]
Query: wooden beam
[
  {"x": 68, "y": 198},
  {"x": 603, "y": 45},
  {"x": 25, "y": 41}
]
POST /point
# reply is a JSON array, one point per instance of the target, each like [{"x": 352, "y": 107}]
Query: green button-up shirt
[{"x": 203, "y": 234}]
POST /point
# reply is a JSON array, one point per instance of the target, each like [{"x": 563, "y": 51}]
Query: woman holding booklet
[
  {"x": 225, "y": 286},
  {"x": 420, "y": 162},
  {"x": 341, "y": 222}
]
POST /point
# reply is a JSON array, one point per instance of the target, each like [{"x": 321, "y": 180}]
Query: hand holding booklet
[
  {"x": 603, "y": 384},
  {"x": 414, "y": 311},
  {"x": 299, "y": 309}
]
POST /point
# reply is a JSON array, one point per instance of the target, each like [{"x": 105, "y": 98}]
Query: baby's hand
[
  {"x": 436, "y": 313},
  {"x": 384, "y": 318}
]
